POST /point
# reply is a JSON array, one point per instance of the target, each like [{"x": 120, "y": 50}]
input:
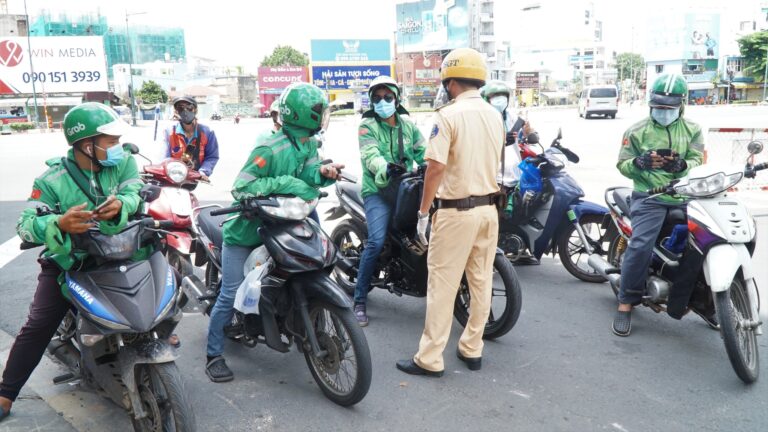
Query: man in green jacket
[
  {"x": 654, "y": 152},
  {"x": 389, "y": 145},
  {"x": 108, "y": 177},
  {"x": 285, "y": 162}
]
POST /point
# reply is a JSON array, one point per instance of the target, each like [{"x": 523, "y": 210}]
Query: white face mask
[
  {"x": 499, "y": 102},
  {"x": 665, "y": 117}
]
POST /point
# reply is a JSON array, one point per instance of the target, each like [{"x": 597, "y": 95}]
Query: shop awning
[
  {"x": 700, "y": 86},
  {"x": 743, "y": 85},
  {"x": 51, "y": 101}
]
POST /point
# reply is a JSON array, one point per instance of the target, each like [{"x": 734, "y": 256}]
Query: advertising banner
[
  {"x": 702, "y": 36},
  {"x": 527, "y": 80},
  {"x": 696, "y": 37},
  {"x": 280, "y": 77},
  {"x": 350, "y": 50},
  {"x": 431, "y": 25},
  {"x": 340, "y": 77},
  {"x": 62, "y": 64}
]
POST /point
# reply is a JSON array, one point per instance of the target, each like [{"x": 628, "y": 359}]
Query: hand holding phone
[{"x": 664, "y": 152}]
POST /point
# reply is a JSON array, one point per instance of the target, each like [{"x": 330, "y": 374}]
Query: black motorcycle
[
  {"x": 115, "y": 337},
  {"x": 298, "y": 300},
  {"x": 402, "y": 265}
]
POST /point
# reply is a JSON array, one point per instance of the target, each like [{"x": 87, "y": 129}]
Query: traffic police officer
[{"x": 463, "y": 156}]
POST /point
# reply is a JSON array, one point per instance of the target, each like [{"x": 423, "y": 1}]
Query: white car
[{"x": 599, "y": 100}]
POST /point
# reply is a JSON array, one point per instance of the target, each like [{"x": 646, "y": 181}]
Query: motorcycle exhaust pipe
[
  {"x": 600, "y": 265},
  {"x": 195, "y": 290}
]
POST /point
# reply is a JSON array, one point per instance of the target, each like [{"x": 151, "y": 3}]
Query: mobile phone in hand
[
  {"x": 104, "y": 204},
  {"x": 664, "y": 152}
]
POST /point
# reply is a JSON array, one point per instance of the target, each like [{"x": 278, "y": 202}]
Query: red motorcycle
[{"x": 173, "y": 200}]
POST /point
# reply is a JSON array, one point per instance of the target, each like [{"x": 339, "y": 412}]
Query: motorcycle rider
[
  {"x": 497, "y": 94},
  {"x": 95, "y": 170},
  {"x": 383, "y": 134},
  {"x": 274, "y": 112},
  {"x": 639, "y": 159},
  {"x": 463, "y": 155},
  {"x": 190, "y": 141},
  {"x": 282, "y": 163}
]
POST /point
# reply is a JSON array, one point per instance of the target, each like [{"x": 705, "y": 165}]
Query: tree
[
  {"x": 285, "y": 56},
  {"x": 151, "y": 93},
  {"x": 754, "y": 48},
  {"x": 630, "y": 65}
]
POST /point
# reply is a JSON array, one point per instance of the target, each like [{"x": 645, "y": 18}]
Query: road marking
[
  {"x": 10, "y": 250},
  {"x": 619, "y": 427},
  {"x": 521, "y": 394}
]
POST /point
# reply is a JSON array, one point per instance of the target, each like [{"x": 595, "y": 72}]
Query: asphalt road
[{"x": 559, "y": 369}]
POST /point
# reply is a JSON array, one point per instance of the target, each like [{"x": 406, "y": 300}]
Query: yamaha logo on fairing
[{"x": 81, "y": 292}]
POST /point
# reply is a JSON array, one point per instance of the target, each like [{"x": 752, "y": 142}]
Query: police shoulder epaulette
[{"x": 443, "y": 106}]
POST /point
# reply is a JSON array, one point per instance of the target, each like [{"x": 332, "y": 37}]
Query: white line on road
[
  {"x": 619, "y": 427},
  {"x": 521, "y": 394},
  {"x": 10, "y": 250}
]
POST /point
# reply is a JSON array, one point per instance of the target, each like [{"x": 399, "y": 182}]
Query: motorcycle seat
[
  {"x": 675, "y": 216},
  {"x": 210, "y": 225},
  {"x": 353, "y": 191},
  {"x": 623, "y": 198}
]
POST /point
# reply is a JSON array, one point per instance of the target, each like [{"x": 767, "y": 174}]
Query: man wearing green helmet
[
  {"x": 274, "y": 112},
  {"x": 389, "y": 145},
  {"x": 497, "y": 94},
  {"x": 95, "y": 182},
  {"x": 285, "y": 162},
  {"x": 654, "y": 152}
]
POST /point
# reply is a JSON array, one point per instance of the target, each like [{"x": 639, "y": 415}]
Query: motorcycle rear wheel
[
  {"x": 500, "y": 321},
  {"x": 164, "y": 398},
  {"x": 182, "y": 263},
  {"x": 733, "y": 309},
  {"x": 349, "y": 237},
  {"x": 572, "y": 251},
  {"x": 340, "y": 335}
]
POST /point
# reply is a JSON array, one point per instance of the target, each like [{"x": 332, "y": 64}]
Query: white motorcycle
[{"x": 702, "y": 260}]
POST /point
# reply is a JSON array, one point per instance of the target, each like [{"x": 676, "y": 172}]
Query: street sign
[{"x": 527, "y": 80}]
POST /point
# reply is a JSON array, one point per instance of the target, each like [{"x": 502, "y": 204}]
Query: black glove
[
  {"x": 394, "y": 170},
  {"x": 675, "y": 165},
  {"x": 511, "y": 137},
  {"x": 644, "y": 162}
]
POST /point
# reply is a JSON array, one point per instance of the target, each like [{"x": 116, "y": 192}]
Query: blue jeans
[
  {"x": 377, "y": 214},
  {"x": 232, "y": 261}
]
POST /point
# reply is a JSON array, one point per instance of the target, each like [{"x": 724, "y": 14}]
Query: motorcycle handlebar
[
  {"x": 227, "y": 210},
  {"x": 156, "y": 224},
  {"x": 323, "y": 194}
]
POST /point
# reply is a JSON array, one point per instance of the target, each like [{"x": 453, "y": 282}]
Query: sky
[{"x": 239, "y": 32}]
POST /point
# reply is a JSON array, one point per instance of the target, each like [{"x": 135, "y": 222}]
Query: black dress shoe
[
  {"x": 473, "y": 363},
  {"x": 410, "y": 367}
]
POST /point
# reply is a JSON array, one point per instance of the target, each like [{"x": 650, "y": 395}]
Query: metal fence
[{"x": 728, "y": 146}]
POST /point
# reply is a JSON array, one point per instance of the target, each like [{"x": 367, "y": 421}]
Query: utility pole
[
  {"x": 132, "y": 90},
  {"x": 31, "y": 66},
  {"x": 765, "y": 76}
]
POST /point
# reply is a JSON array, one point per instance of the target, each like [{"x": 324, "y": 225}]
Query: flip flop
[{"x": 4, "y": 414}]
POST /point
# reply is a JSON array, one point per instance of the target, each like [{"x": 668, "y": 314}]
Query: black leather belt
[{"x": 467, "y": 203}]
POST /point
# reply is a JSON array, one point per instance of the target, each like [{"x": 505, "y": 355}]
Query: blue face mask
[
  {"x": 384, "y": 109},
  {"x": 114, "y": 156},
  {"x": 665, "y": 117}
]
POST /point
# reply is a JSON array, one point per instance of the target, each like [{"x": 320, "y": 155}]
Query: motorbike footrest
[
  {"x": 66, "y": 378},
  {"x": 233, "y": 330}
]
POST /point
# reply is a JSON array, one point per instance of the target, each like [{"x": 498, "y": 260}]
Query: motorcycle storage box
[{"x": 407, "y": 204}]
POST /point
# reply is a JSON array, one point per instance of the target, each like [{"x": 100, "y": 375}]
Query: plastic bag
[
  {"x": 530, "y": 177},
  {"x": 248, "y": 293}
]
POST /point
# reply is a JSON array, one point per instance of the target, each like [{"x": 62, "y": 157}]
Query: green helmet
[
  {"x": 494, "y": 88},
  {"x": 91, "y": 119},
  {"x": 304, "y": 105},
  {"x": 384, "y": 81},
  {"x": 669, "y": 90}
]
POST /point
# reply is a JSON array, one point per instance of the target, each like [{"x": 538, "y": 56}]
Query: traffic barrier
[{"x": 728, "y": 146}]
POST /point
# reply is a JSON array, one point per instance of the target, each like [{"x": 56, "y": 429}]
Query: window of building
[
  {"x": 659, "y": 69},
  {"x": 747, "y": 25}
]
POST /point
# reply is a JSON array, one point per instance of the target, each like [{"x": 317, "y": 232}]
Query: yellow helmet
[{"x": 464, "y": 63}]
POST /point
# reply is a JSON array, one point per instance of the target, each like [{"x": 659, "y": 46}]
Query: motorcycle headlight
[
  {"x": 176, "y": 171},
  {"x": 291, "y": 208},
  {"x": 708, "y": 186}
]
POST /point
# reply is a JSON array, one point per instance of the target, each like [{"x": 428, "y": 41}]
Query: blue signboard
[
  {"x": 430, "y": 25},
  {"x": 339, "y": 77},
  {"x": 350, "y": 50}
]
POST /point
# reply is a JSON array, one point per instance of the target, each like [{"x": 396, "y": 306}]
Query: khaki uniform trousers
[{"x": 461, "y": 242}]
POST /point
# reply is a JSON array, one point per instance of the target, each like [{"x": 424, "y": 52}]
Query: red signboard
[{"x": 280, "y": 77}]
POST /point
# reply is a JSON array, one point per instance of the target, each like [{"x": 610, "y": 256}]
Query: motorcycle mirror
[
  {"x": 131, "y": 148},
  {"x": 571, "y": 156},
  {"x": 559, "y": 133},
  {"x": 755, "y": 147}
]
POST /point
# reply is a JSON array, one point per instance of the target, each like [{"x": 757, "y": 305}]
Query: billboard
[
  {"x": 340, "y": 77},
  {"x": 431, "y": 25},
  {"x": 672, "y": 38},
  {"x": 350, "y": 50},
  {"x": 527, "y": 80},
  {"x": 278, "y": 78},
  {"x": 62, "y": 64},
  {"x": 702, "y": 36}
]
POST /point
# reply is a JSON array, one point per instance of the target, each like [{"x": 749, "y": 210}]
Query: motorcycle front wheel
[
  {"x": 164, "y": 399},
  {"x": 735, "y": 318},
  {"x": 344, "y": 372},
  {"x": 506, "y": 300},
  {"x": 574, "y": 255}
]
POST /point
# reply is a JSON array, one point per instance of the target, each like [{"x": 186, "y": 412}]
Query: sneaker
[
  {"x": 360, "y": 315},
  {"x": 218, "y": 371}
]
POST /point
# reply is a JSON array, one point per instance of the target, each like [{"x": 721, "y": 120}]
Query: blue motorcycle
[{"x": 546, "y": 214}]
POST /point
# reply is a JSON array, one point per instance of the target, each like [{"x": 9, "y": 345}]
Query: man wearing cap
[
  {"x": 190, "y": 141},
  {"x": 463, "y": 157}
]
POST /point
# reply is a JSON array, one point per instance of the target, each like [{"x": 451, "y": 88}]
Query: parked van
[{"x": 599, "y": 100}]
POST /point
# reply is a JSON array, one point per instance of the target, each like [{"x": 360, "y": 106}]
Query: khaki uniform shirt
[{"x": 467, "y": 137}]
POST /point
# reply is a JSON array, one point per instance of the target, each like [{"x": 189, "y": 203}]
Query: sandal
[
  {"x": 4, "y": 413},
  {"x": 218, "y": 371},
  {"x": 622, "y": 323}
]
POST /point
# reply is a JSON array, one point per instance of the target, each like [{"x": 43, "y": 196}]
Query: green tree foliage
[
  {"x": 151, "y": 93},
  {"x": 630, "y": 65},
  {"x": 285, "y": 56},
  {"x": 754, "y": 48}
]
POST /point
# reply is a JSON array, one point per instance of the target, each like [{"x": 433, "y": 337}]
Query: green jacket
[
  {"x": 275, "y": 166},
  {"x": 682, "y": 136},
  {"x": 379, "y": 146},
  {"x": 56, "y": 186}
]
